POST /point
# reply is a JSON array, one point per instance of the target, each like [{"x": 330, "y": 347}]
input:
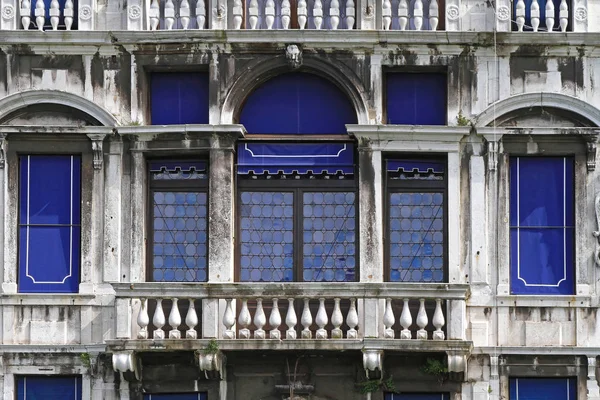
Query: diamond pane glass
[
  {"x": 329, "y": 236},
  {"x": 179, "y": 243},
  {"x": 416, "y": 237},
  {"x": 266, "y": 237}
]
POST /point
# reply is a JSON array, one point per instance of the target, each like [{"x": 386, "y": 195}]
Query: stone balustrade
[
  {"x": 551, "y": 23},
  {"x": 288, "y": 311}
]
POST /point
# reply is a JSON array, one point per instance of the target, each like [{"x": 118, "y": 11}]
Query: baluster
[
  {"x": 318, "y": 14},
  {"x": 563, "y": 15},
  {"x": 302, "y": 14},
  {"x": 403, "y": 14},
  {"x": 291, "y": 320},
  {"x": 388, "y": 320},
  {"x": 352, "y": 321},
  {"x": 438, "y": 320},
  {"x": 68, "y": 13},
  {"x": 159, "y": 320},
  {"x": 422, "y": 321},
  {"x": 405, "y": 321},
  {"x": 40, "y": 14},
  {"x": 260, "y": 319},
  {"x": 175, "y": 320},
  {"x": 520, "y": 14},
  {"x": 334, "y": 14},
  {"x": 321, "y": 320},
  {"x": 350, "y": 12},
  {"x": 285, "y": 14},
  {"x": 200, "y": 14},
  {"x": 253, "y": 12},
  {"x": 434, "y": 13},
  {"x": 237, "y": 14},
  {"x": 269, "y": 13},
  {"x": 275, "y": 321},
  {"x": 228, "y": 321},
  {"x": 54, "y": 14},
  {"x": 535, "y": 15},
  {"x": 26, "y": 13},
  {"x": 244, "y": 320},
  {"x": 184, "y": 13},
  {"x": 154, "y": 15},
  {"x": 386, "y": 13},
  {"x": 418, "y": 14},
  {"x": 306, "y": 321},
  {"x": 143, "y": 320},
  {"x": 550, "y": 15},
  {"x": 337, "y": 319},
  {"x": 191, "y": 320},
  {"x": 169, "y": 14}
]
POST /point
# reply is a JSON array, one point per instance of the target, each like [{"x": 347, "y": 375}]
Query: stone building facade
[{"x": 398, "y": 202}]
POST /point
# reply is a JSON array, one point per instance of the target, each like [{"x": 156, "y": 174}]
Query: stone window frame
[
  {"x": 12, "y": 371},
  {"x": 85, "y": 141}
]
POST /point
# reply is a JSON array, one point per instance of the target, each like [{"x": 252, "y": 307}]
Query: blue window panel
[
  {"x": 49, "y": 388},
  {"x": 176, "y": 396},
  {"x": 543, "y": 389},
  {"x": 179, "y": 98},
  {"x": 416, "y": 396},
  {"x": 301, "y": 158},
  {"x": 297, "y": 103},
  {"x": 61, "y": 18},
  {"x": 416, "y": 98},
  {"x": 49, "y": 224},
  {"x": 542, "y": 230},
  {"x": 542, "y": 25}
]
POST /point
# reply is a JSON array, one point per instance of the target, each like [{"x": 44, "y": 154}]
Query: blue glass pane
[
  {"x": 179, "y": 98},
  {"x": 543, "y": 389},
  {"x": 180, "y": 239},
  {"x": 177, "y": 396},
  {"x": 266, "y": 242},
  {"x": 416, "y": 237},
  {"x": 297, "y": 103},
  {"x": 416, "y": 99},
  {"x": 329, "y": 236},
  {"x": 48, "y": 388},
  {"x": 542, "y": 260}
]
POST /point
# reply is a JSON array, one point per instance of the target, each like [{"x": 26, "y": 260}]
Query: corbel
[
  {"x": 97, "y": 142},
  {"x": 457, "y": 362},
  {"x": 126, "y": 361},
  {"x": 597, "y": 233},
  {"x": 492, "y": 155},
  {"x": 2, "y": 156},
  {"x": 212, "y": 364},
  {"x": 591, "y": 153},
  {"x": 373, "y": 363}
]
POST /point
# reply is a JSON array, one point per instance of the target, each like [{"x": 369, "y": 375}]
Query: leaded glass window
[
  {"x": 297, "y": 208},
  {"x": 416, "y": 245},
  {"x": 178, "y": 192}
]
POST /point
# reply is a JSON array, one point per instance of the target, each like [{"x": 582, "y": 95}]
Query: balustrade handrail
[{"x": 445, "y": 291}]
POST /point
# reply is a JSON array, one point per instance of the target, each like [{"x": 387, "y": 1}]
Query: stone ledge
[{"x": 543, "y": 301}]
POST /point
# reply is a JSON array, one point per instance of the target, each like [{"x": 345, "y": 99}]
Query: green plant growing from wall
[
  {"x": 461, "y": 120},
  {"x": 437, "y": 368},
  {"x": 86, "y": 360},
  {"x": 211, "y": 348},
  {"x": 374, "y": 385}
]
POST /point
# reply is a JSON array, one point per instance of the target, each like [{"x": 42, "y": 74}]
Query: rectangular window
[
  {"x": 416, "y": 192},
  {"x": 179, "y": 98},
  {"x": 37, "y": 387},
  {"x": 543, "y": 388},
  {"x": 62, "y": 9},
  {"x": 176, "y": 396},
  {"x": 542, "y": 232},
  {"x": 49, "y": 223},
  {"x": 416, "y": 396},
  {"x": 416, "y": 98},
  {"x": 297, "y": 208},
  {"x": 179, "y": 195}
]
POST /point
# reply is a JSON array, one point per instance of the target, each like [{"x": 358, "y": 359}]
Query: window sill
[
  {"x": 568, "y": 301},
  {"x": 52, "y": 299}
]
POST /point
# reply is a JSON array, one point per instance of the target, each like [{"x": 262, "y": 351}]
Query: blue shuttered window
[
  {"x": 49, "y": 388},
  {"x": 543, "y": 389},
  {"x": 178, "y": 396},
  {"x": 542, "y": 225},
  {"x": 49, "y": 223},
  {"x": 416, "y": 396},
  {"x": 416, "y": 98},
  {"x": 179, "y": 98}
]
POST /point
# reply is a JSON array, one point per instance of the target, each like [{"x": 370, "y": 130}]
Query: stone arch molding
[
  {"x": 257, "y": 74},
  {"x": 20, "y": 100},
  {"x": 527, "y": 100}
]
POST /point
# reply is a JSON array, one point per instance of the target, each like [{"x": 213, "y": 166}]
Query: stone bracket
[
  {"x": 373, "y": 363},
  {"x": 457, "y": 361},
  {"x": 124, "y": 361},
  {"x": 212, "y": 364},
  {"x": 492, "y": 155},
  {"x": 2, "y": 154},
  {"x": 591, "y": 153},
  {"x": 597, "y": 233},
  {"x": 293, "y": 54},
  {"x": 97, "y": 142}
]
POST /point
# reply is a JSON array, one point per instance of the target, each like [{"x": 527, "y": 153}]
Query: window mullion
[{"x": 298, "y": 235}]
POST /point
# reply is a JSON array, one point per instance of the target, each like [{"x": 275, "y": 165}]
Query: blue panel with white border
[
  {"x": 43, "y": 387},
  {"x": 179, "y": 98},
  {"x": 49, "y": 223},
  {"x": 543, "y": 389},
  {"x": 297, "y": 103},
  {"x": 176, "y": 396},
  {"x": 542, "y": 230},
  {"x": 416, "y": 98}
]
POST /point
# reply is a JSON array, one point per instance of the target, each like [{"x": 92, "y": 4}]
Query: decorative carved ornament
[
  {"x": 212, "y": 364},
  {"x": 492, "y": 155},
  {"x": 124, "y": 361},
  {"x": 293, "y": 53},
  {"x": 97, "y": 140},
  {"x": 2, "y": 156},
  {"x": 373, "y": 362},
  {"x": 597, "y": 233},
  {"x": 591, "y": 154}
]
